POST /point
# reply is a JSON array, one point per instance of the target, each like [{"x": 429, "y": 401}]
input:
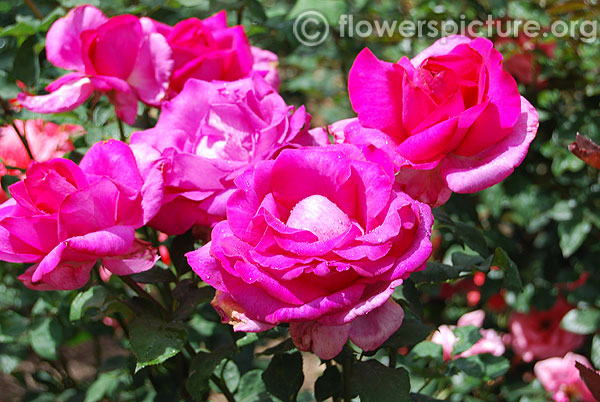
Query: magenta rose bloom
[
  {"x": 451, "y": 118},
  {"x": 210, "y": 50},
  {"x": 114, "y": 56},
  {"x": 64, "y": 217},
  {"x": 202, "y": 143},
  {"x": 317, "y": 238}
]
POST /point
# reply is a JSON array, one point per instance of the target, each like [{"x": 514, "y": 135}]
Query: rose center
[{"x": 320, "y": 216}]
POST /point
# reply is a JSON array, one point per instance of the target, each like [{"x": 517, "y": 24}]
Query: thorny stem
[
  {"x": 10, "y": 117},
  {"x": 142, "y": 293},
  {"x": 34, "y": 9},
  {"x": 121, "y": 130},
  {"x": 347, "y": 373},
  {"x": 223, "y": 387}
]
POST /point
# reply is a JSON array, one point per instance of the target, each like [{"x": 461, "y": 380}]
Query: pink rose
[
  {"x": 561, "y": 378},
  {"x": 230, "y": 127},
  {"x": 538, "y": 335},
  {"x": 210, "y": 50},
  {"x": 114, "y": 56},
  {"x": 451, "y": 118},
  {"x": 46, "y": 140},
  {"x": 490, "y": 341},
  {"x": 318, "y": 238},
  {"x": 64, "y": 217}
]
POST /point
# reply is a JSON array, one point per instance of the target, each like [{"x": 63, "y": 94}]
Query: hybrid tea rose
[
  {"x": 490, "y": 341},
  {"x": 318, "y": 238},
  {"x": 202, "y": 143},
  {"x": 114, "y": 56},
  {"x": 210, "y": 50},
  {"x": 538, "y": 335},
  {"x": 561, "y": 378},
  {"x": 451, "y": 118},
  {"x": 63, "y": 218}
]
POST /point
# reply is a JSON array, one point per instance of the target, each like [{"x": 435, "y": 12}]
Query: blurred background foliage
[{"x": 57, "y": 346}]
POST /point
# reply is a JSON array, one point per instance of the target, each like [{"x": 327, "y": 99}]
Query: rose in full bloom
[
  {"x": 561, "y": 378},
  {"x": 63, "y": 218},
  {"x": 451, "y": 118},
  {"x": 46, "y": 140},
  {"x": 115, "y": 56},
  {"x": 490, "y": 341},
  {"x": 210, "y": 50},
  {"x": 538, "y": 334},
  {"x": 318, "y": 238},
  {"x": 202, "y": 143}
]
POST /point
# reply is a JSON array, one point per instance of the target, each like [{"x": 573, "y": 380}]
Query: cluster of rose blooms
[{"x": 315, "y": 228}]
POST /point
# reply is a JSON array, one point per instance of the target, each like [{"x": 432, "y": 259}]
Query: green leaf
[
  {"x": 252, "y": 388},
  {"x": 256, "y": 10},
  {"x": 153, "y": 341},
  {"x": 281, "y": 347},
  {"x": 26, "y": 66},
  {"x": 188, "y": 296},
  {"x": 329, "y": 384},
  {"x": 436, "y": 273},
  {"x": 331, "y": 10},
  {"x": 105, "y": 384},
  {"x": 494, "y": 366},
  {"x": 202, "y": 367},
  {"x": 428, "y": 349},
  {"x": 512, "y": 279},
  {"x": 374, "y": 382},
  {"x": 411, "y": 332},
  {"x": 572, "y": 235},
  {"x": 23, "y": 28},
  {"x": 12, "y": 325},
  {"x": 484, "y": 366},
  {"x": 595, "y": 357},
  {"x": 46, "y": 337},
  {"x": 471, "y": 366},
  {"x": 467, "y": 336},
  {"x": 585, "y": 321},
  {"x": 284, "y": 377},
  {"x": 94, "y": 297}
]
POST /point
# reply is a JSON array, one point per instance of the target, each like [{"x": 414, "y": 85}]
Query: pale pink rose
[
  {"x": 318, "y": 238},
  {"x": 538, "y": 334},
  {"x": 561, "y": 378},
  {"x": 115, "y": 56},
  {"x": 451, "y": 118},
  {"x": 490, "y": 341},
  {"x": 64, "y": 217},
  {"x": 209, "y": 50},
  {"x": 46, "y": 140}
]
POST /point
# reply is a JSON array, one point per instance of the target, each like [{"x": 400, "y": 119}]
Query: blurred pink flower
[
  {"x": 64, "y": 217},
  {"x": 561, "y": 378},
  {"x": 538, "y": 334},
  {"x": 232, "y": 126},
  {"x": 46, "y": 140},
  {"x": 490, "y": 341},
  {"x": 115, "y": 56},
  {"x": 210, "y": 50},
  {"x": 318, "y": 238}
]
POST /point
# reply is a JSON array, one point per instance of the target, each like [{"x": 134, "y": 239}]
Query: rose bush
[
  {"x": 64, "y": 217},
  {"x": 317, "y": 238},
  {"x": 232, "y": 126}
]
